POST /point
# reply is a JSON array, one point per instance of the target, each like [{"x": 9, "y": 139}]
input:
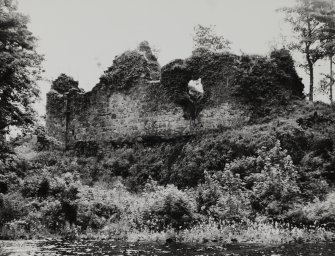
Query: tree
[
  {"x": 326, "y": 16},
  {"x": 206, "y": 37},
  {"x": 20, "y": 68},
  {"x": 64, "y": 83},
  {"x": 304, "y": 21}
]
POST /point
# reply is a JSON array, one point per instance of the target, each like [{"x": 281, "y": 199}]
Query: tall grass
[{"x": 248, "y": 232}]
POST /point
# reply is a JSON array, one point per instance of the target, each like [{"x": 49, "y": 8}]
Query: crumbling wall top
[
  {"x": 129, "y": 67},
  {"x": 64, "y": 84}
]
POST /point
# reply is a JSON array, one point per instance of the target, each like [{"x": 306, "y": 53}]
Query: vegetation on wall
[
  {"x": 262, "y": 83},
  {"x": 64, "y": 83},
  {"x": 266, "y": 83},
  {"x": 129, "y": 67}
]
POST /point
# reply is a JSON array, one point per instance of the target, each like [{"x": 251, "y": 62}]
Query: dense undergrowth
[{"x": 271, "y": 182}]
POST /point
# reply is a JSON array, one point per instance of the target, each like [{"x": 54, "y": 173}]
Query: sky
[{"x": 82, "y": 37}]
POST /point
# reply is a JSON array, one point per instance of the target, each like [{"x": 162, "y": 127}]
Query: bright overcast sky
[{"x": 82, "y": 37}]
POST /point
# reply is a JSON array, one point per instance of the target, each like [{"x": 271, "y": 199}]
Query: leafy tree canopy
[
  {"x": 307, "y": 28},
  {"x": 64, "y": 83},
  {"x": 206, "y": 37},
  {"x": 326, "y": 16},
  {"x": 20, "y": 68}
]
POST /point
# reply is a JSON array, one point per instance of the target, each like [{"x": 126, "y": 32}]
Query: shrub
[
  {"x": 275, "y": 186},
  {"x": 315, "y": 213},
  {"x": 208, "y": 194},
  {"x": 45, "y": 142},
  {"x": 37, "y": 185},
  {"x": 235, "y": 202},
  {"x": 169, "y": 207},
  {"x": 8, "y": 182},
  {"x": 86, "y": 148},
  {"x": 295, "y": 140},
  {"x": 11, "y": 207},
  {"x": 52, "y": 215},
  {"x": 94, "y": 214},
  {"x": 223, "y": 196},
  {"x": 60, "y": 197},
  {"x": 15, "y": 229}
]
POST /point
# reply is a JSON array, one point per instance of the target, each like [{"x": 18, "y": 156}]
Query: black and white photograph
[{"x": 167, "y": 127}]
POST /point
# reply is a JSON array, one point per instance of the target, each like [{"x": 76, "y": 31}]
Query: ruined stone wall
[
  {"x": 126, "y": 116},
  {"x": 56, "y": 118},
  {"x": 131, "y": 104}
]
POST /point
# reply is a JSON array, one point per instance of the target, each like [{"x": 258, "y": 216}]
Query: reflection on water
[{"x": 22, "y": 248}]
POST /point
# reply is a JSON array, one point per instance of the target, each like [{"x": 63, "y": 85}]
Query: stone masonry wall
[
  {"x": 138, "y": 100},
  {"x": 97, "y": 116},
  {"x": 56, "y": 117},
  {"x": 130, "y": 104}
]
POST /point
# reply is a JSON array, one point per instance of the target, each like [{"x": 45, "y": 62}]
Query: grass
[
  {"x": 217, "y": 231},
  {"x": 250, "y": 232}
]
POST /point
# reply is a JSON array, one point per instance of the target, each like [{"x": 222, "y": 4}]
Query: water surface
[{"x": 55, "y": 248}]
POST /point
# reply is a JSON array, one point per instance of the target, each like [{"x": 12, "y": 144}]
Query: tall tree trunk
[
  {"x": 311, "y": 81},
  {"x": 309, "y": 59},
  {"x": 331, "y": 80},
  {"x": 310, "y": 69}
]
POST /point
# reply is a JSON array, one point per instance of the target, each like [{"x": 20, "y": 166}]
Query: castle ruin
[{"x": 137, "y": 99}]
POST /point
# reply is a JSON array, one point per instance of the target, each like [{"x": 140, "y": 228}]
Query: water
[{"x": 53, "y": 248}]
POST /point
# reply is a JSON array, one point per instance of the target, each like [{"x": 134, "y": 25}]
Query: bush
[
  {"x": 223, "y": 196},
  {"x": 52, "y": 215},
  {"x": 66, "y": 187},
  {"x": 15, "y": 229},
  {"x": 8, "y": 182},
  {"x": 59, "y": 195},
  {"x": 208, "y": 195},
  {"x": 43, "y": 184},
  {"x": 275, "y": 187},
  {"x": 169, "y": 207},
  {"x": 45, "y": 142},
  {"x": 94, "y": 214},
  {"x": 320, "y": 213},
  {"x": 37, "y": 185},
  {"x": 11, "y": 207}
]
